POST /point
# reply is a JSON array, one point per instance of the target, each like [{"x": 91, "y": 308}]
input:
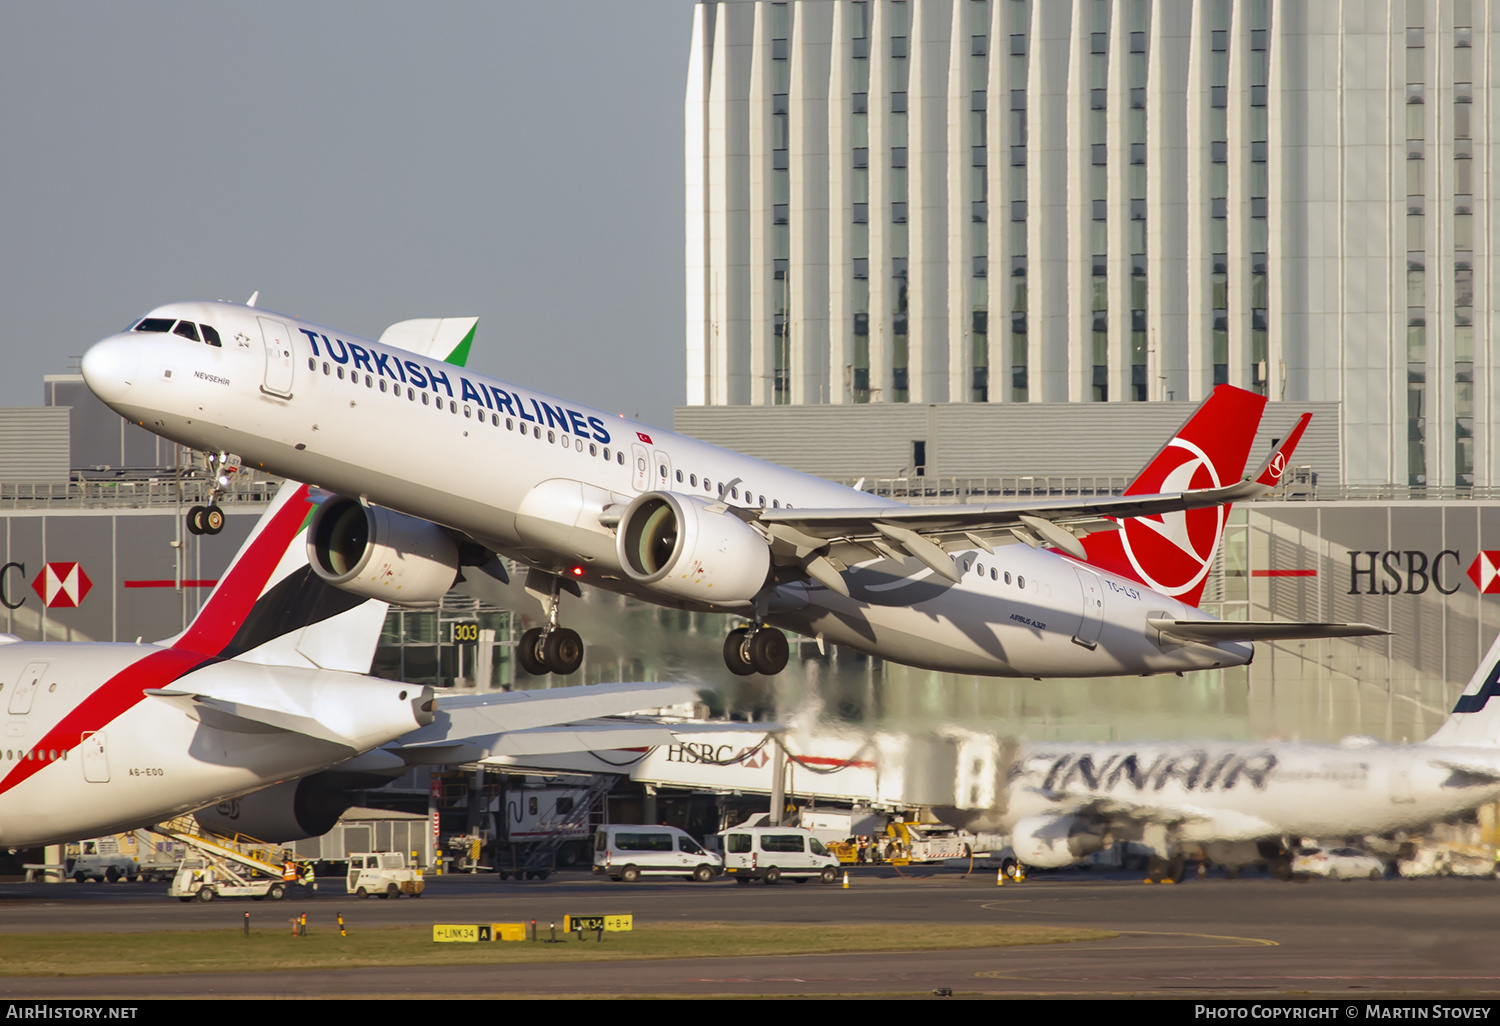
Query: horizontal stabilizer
[
  {"x": 241, "y": 718},
  {"x": 1211, "y": 631},
  {"x": 1477, "y": 772}
]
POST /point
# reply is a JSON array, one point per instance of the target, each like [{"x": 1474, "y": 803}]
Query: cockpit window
[
  {"x": 154, "y": 324},
  {"x": 187, "y": 329},
  {"x": 211, "y": 335}
]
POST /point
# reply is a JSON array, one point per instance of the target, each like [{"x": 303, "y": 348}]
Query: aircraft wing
[
  {"x": 825, "y": 541},
  {"x": 469, "y": 727},
  {"x": 557, "y": 739},
  {"x": 1211, "y": 631}
]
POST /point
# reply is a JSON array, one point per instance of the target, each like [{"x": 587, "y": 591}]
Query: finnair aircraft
[
  {"x": 267, "y": 684},
  {"x": 439, "y": 467},
  {"x": 1062, "y": 802}
]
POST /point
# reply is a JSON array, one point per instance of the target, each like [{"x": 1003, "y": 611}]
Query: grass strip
[{"x": 229, "y": 950}]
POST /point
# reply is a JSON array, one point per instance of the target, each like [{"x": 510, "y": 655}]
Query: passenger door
[
  {"x": 30, "y": 680},
  {"x": 278, "y": 343},
  {"x": 95, "y": 758},
  {"x": 1093, "y": 607}
]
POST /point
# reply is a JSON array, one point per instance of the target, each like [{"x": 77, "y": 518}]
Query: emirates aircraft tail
[{"x": 269, "y": 607}]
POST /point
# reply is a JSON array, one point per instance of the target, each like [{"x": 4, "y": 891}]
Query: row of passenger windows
[
  {"x": 434, "y": 400},
  {"x": 187, "y": 329},
  {"x": 36, "y": 754},
  {"x": 371, "y": 381},
  {"x": 995, "y": 573},
  {"x": 691, "y": 480}
]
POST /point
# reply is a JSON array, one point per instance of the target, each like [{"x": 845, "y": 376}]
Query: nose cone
[{"x": 110, "y": 368}]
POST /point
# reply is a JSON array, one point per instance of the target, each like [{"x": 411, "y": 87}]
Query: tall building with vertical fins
[{"x": 1103, "y": 201}]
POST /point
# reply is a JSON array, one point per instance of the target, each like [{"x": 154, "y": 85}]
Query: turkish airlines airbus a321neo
[{"x": 440, "y": 467}]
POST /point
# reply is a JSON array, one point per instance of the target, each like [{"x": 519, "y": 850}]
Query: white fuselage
[
  {"x": 1215, "y": 791},
  {"x": 85, "y": 752},
  {"x": 528, "y": 476}
]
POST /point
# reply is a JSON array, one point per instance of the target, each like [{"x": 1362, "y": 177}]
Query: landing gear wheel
[
  {"x": 562, "y": 651},
  {"x": 212, "y": 520},
  {"x": 529, "y": 652},
  {"x": 195, "y": 519},
  {"x": 736, "y": 656},
  {"x": 768, "y": 651}
]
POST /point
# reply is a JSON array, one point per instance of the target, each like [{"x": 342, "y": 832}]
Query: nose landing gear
[
  {"x": 205, "y": 520},
  {"x": 209, "y": 519},
  {"x": 756, "y": 649}
]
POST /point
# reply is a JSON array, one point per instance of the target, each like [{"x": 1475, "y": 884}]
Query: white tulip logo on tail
[{"x": 1173, "y": 552}]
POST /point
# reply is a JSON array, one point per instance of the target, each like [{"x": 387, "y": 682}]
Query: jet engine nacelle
[
  {"x": 376, "y": 553},
  {"x": 289, "y": 811},
  {"x": 692, "y": 548},
  {"x": 1050, "y": 842}
]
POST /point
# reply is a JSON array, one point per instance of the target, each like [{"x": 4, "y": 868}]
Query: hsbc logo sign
[
  {"x": 1413, "y": 572},
  {"x": 59, "y": 585}
]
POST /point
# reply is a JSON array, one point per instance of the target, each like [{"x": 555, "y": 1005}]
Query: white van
[
  {"x": 771, "y": 853},
  {"x": 625, "y": 851}
]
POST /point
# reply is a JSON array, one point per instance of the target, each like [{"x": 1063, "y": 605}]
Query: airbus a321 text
[{"x": 438, "y": 466}]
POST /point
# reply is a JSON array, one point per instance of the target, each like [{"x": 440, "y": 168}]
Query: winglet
[
  {"x": 1275, "y": 465},
  {"x": 443, "y": 338}
]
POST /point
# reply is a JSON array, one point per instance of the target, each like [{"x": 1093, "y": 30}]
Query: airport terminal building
[{"x": 1102, "y": 201}]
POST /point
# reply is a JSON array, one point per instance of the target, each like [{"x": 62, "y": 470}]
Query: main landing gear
[
  {"x": 756, "y": 649},
  {"x": 549, "y": 649}
]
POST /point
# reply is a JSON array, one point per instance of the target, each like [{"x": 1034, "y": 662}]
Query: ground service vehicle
[
  {"x": 1339, "y": 863},
  {"x": 384, "y": 874},
  {"x": 100, "y": 858},
  {"x": 773, "y": 853},
  {"x": 204, "y": 880},
  {"x": 625, "y": 851}
]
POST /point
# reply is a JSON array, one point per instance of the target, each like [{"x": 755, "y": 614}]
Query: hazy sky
[{"x": 359, "y": 164}]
